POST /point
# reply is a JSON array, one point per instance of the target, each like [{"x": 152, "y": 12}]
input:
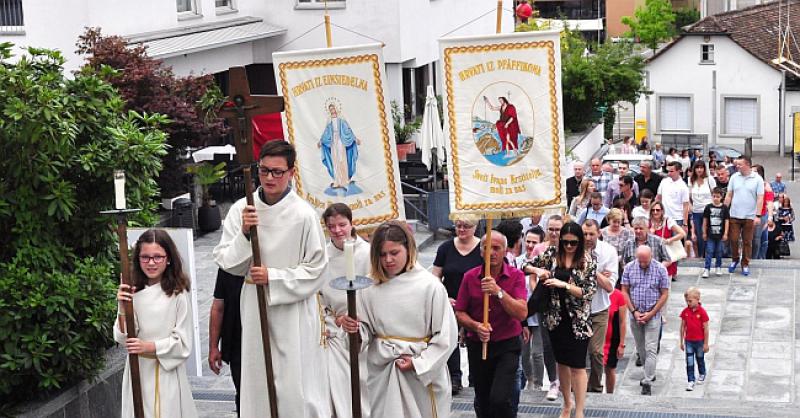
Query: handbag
[
  {"x": 539, "y": 299},
  {"x": 675, "y": 250},
  {"x": 783, "y": 248}
]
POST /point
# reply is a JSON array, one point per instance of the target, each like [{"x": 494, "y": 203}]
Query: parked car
[
  {"x": 720, "y": 152},
  {"x": 633, "y": 161}
]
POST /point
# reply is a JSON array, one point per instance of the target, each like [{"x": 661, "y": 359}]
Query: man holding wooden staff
[
  {"x": 292, "y": 247},
  {"x": 494, "y": 377}
]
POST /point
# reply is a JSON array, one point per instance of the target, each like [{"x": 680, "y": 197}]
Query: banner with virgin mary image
[
  {"x": 338, "y": 119},
  {"x": 503, "y": 123}
]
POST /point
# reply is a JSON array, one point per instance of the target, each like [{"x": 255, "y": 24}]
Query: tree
[
  {"x": 147, "y": 86},
  {"x": 592, "y": 83},
  {"x": 62, "y": 139},
  {"x": 685, "y": 16},
  {"x": 653, "y": 23}
]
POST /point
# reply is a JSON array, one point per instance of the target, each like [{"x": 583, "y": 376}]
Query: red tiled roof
[{"x": 753, "y": 28}]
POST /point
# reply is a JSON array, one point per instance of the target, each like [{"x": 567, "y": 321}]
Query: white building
[
  {"x": 209, "y": 36},
  {"x": 718, "y": 81}
]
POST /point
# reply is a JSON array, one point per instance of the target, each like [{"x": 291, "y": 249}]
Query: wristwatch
[{"x": 500, "y": 294}]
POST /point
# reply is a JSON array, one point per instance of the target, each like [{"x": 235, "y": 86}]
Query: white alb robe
[
  {"x": 409, "y": 314},
  {"x": 337, "y": 349},
  {"x": 292, "y": 247},
  {"x": 167, "y": 321}
]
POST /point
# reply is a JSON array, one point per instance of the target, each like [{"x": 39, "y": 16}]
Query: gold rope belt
[
  {"x": 323, "y": 340},
  {"x": 157, "y": 401},
  {"x": 248, "y": 280},
  {"x": 406, "y": 339},
  {"x": 434, "y": 414}
]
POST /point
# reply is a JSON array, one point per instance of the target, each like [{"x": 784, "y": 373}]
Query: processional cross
[{"x": 239, "y": 111}]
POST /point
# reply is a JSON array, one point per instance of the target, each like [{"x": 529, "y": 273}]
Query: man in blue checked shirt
[
  {"x": 646, "y": 286},
  {"x": 595, "y": 211}
]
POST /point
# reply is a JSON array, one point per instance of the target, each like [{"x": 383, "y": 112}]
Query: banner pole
[
  {"x": 498, "y": 29},
  {"x": 487, "y": 252}
]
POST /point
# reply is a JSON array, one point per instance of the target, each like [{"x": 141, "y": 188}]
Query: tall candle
[
  {"x": 119, "y": 189},
  {"x": 350, "y": 267}
]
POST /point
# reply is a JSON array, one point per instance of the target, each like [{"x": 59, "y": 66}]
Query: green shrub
[{"x": 61, "y": 140}]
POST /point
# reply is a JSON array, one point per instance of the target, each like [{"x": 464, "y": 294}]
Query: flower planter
[
  {"x": 404, "y": 149},
  {"x": 209, "y": 218}
]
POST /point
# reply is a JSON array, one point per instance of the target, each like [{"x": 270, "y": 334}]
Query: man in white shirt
[
  {"x": 607, "y": 275},
  {"x": 673, "y": 193}
]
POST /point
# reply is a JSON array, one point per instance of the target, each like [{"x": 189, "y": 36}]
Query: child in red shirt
[{"x": 694, "y": 336}]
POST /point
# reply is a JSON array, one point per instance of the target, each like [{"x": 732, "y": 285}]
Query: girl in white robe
[
  {"x": 163, "y": 318},
  {"x": 338, "y": 219},
  {"x": 410, "y": 328}
]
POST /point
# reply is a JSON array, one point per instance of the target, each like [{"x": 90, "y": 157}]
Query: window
[
  {"x": 320, "y": 4},
  {"x": 675, "y": 113},
  {"x": 741, "y": 116},
  {"x": 707, "y": 54},
  {"x": 11, "y": 18},
  {"x": 225, "y": 6}
]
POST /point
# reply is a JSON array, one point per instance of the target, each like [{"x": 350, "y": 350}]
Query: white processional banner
[
  {"x": 503, "y": 123},
  {"x": 337, "y": 117}
]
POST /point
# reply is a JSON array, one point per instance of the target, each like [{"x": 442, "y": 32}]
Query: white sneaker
[
  {"x": 719, "y": 271},
  {"x": 701, "y": 379},
  {"x": 705, "y": 274},
  {"x": 552, "y": 393},
  {"x": 690, "y": 386}
]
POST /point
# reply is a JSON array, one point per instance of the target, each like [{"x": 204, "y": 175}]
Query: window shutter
[
  {"x": 675, "y": 113},
  {"x": 741, "y": 116}
]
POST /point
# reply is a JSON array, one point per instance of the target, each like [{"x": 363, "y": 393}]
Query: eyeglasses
[
  {"x": 276, "y": 172},
  {"x": 570, "y": 242},
  {"x": 158, "y": 259}
]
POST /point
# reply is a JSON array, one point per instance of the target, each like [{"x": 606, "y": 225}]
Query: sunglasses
[
  {"x": 570, "y": 242},
  {"x": 554, "y": 229},
  {"x": 655, "y": 210}
]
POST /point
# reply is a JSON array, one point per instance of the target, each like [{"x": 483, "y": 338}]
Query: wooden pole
[
  {"x": 130, "y": 323},
  {"x": 487, "y": 253},
  {"x": 261, "y": 292},
  {"x": 355, "y": 345},
  {"x": 328, "y": 38},
  {"x": 499, "y": 28}
]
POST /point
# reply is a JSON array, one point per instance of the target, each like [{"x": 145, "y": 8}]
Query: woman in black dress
[
  {"x": 454, "y": 258},
  {"x": 569, "y": 271}
]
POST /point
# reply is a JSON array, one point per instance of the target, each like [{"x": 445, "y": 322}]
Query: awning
[{"x": 189, "y": 39}]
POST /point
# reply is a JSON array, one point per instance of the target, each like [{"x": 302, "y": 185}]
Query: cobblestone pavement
[{"x": 752, "y": 363}]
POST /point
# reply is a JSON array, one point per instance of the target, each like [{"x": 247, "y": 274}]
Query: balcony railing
[{"x": 11, "y": 18}]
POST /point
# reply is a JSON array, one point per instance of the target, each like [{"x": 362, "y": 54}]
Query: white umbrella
[{"x": 431, "y": 134}]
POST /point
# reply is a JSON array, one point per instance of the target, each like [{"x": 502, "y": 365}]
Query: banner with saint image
[
  {"x": 338, "y": 119},
  {"x": 503, "y": 123}
]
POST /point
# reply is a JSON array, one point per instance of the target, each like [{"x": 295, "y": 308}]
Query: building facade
[
  {"x": 718, "y": 82},
  {"x": 209, "y": 36}
]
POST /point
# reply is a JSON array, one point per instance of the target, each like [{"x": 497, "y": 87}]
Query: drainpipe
[
  {"x": 781, "y": 112},
  {"x": 713, "y": 108},
  {"x": 650, "y": 136}
]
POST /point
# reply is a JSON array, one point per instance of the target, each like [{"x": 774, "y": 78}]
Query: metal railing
[
  {"x": 11, "y": 18},
  {"x": 417, "y": 202}
]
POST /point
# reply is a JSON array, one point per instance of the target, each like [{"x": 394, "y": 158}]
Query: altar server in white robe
[
  {"x": 338, "y": 219},
  {"x": 163, "y": 318},
  {"x": 292, "y": 247},
  {"x": 410, "y": 328}
]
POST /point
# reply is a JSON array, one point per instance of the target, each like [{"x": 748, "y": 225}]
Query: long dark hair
[
  {"x": 342, "y": 210},
  {"x": 572, "y": 228},
  {"x": 694, "y": 177},
  {"x": 174, "y": 280}
]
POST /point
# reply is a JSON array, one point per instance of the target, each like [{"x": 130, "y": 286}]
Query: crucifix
[{"x": 239, "y": 110}]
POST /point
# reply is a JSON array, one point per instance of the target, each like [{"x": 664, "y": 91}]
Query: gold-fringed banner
[
  {"x": 338, "y": 118},
  {"x": 503, "y": 123}
]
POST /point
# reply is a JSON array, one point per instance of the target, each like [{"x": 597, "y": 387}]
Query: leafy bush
[
  {"x": 62, "y": 139},
  {"x": 685, "y": 16},
  {"x": 146, "y": 85}
]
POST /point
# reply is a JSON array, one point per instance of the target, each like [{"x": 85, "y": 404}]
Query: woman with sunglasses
[
  {"x": 569, "y": 271},
  {"x": 454, "y": 258},
  {"x": 668, "y": 230},
  {"x": 160, "y": 295}
]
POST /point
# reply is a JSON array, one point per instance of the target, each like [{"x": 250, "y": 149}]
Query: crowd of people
[{"x": 561, "y": 290}]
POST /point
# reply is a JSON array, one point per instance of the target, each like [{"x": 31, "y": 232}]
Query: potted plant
[
  {"x": 403, "y": 131},
  {"x": 209, "y": 217}
]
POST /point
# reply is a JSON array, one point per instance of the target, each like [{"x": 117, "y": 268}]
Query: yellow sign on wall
[{"x": 797, "y": 132}]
